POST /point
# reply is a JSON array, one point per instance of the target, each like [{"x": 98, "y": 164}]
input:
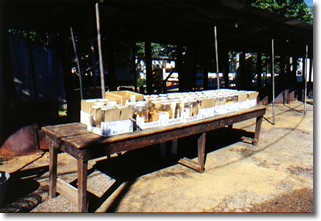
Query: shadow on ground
[
  {"x": 133, "y": 164},
  {"x": 24, "y": 192}
]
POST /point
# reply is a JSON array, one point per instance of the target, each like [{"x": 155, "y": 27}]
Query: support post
[
  {"x": 216, "y": 58},
  {"x": 257, "y": 130},
  {"x": 101, "y": 65},
  {"x": 273, "y": 82},
  {"x": 305, "y": 77},
  {"x": 179, "y": 66},
  {"x": 205, "y": 67},
  {"x": 82, "y": 185},
  {"x": 259, "y": 70},
  {"x": 93, "y": 65},
  {"x": 53, "y": 152},
  {"x": 149, "y": 74},
  {"x": 134, "y": 64}
]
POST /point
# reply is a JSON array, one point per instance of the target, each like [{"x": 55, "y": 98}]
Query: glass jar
[
  {"x": 165, "y": 107},
  {"x": 141, "y": 111},
  {"x": 152, "y": 107}
]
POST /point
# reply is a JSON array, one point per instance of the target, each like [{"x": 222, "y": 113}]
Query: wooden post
[
  {"x": 259, "y": 70},
  {"x": 82, "y": 185},
  {"x": 149, "y": 74},
  {"x": 305, "y": 77},
  {"x": 52, "y": 169},
  {"x": 257, "y": 130},
  {"x": 134, "y": 64},
  {"x": 226, "y": 68},
  {"x": 179, "y": 65},
  {"x": 201, "y": 151},
  {"x": 101, "y": 65},
  {"x": 205, "y": 67},
  {"x": 242, "y": 70},
  {"x": 78, "y": 63}
]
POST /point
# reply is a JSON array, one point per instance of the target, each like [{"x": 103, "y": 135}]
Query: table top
[{"x": 78, "y": 136}]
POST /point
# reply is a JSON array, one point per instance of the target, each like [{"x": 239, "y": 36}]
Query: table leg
[
  {"x": 201, "y": 151},
  {"x": 257, "y": 129},
  {"x": 199, "y": 166},
  {"x": 82, "y": 185},
  {"x": 53, "y": 152}
]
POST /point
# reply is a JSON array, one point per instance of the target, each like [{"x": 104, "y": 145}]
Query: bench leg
[
  {"x": 255, "y": 140},
  {"x": 257, "y": 129},
  {"x": 201, "y": 151},
  {"x": 199, "y": 166},
  {"x": 82, "y": 185},
  {"x": 53, "y": 152}
]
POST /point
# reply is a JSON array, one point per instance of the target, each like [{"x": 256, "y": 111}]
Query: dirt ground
[{"x": 274, "y": 176}]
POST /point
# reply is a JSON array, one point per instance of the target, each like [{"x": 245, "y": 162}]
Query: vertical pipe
[
  {"x": 305, "y": 78},
  {"x": 93, "y": 65},
  {"x": 273, "y": 83},
  {"x": 78, "y": 63},
  {"x": 216, "y": 55},
  {"x": 101, "y": 65}
]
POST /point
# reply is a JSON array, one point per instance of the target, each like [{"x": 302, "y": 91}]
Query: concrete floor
[{"x": 237, "y": 175}]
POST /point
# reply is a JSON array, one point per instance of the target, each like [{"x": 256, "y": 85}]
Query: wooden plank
[
  {"x": 52, "y": 169},
  {"x": 249, "y": 140},
  {"x": 81, "y": 138},
  {"x": 191, "y": 164},
  {"x": 68, "y": 191}
]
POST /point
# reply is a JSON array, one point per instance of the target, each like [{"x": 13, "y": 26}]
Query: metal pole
[
  {"x": 273, "y": 83},
  {"x": 78, "y": 63},
  {"x": 101, "y": 65},
  {"x": 93, "y": 65},
  {"x": 305, "y": 78},
  {"x": 216, "y": 55}
]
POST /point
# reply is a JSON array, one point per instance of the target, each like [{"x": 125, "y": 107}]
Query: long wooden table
[{"x": 83, "y": 145}]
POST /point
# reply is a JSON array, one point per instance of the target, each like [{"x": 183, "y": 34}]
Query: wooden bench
[{"x": 83, "y": 145}]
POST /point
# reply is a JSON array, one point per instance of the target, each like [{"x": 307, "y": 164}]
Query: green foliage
[
  {"x": 141, "y": 82},
  {"x": 41, "y": 38},
  {"x": 294, "y": 9}
]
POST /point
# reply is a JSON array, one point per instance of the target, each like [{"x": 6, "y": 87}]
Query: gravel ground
[{"x": 275, "y": 176}]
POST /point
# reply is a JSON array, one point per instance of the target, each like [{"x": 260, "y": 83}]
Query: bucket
[{"x": 4, "y": 177}]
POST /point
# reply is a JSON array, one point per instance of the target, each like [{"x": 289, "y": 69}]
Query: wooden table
[{"x": 83, "y": 145}]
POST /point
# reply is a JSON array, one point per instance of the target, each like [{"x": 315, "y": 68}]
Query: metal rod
[
  {"x": 93, "y": 65},
  {"x": 101, "y": 65},
  {"x": 78, "y": 63},
  {"x": 305, "y": 78},
  {"x": 216, "y": 55},
  {"x": 273, "y": 83}
]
